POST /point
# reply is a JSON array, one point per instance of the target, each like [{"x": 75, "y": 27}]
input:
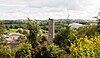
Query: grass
[{"x": 11, "y": 30}]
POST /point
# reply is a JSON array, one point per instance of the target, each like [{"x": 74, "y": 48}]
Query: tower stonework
[{"x": 51, "y": 29}]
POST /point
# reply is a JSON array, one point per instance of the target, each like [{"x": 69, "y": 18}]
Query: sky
[{"x": 44, "y": 9}]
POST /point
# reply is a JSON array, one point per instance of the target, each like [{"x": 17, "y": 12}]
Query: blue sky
[{"x": 44, "y": 9}]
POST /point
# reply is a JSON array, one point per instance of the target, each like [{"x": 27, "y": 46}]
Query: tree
[
  {"x": 34, "y": 30},
  {"x": 11, "y": 27},
  {"x": 98, "y": 22},
  {"x": 62, "y": 37},
  {"x": 2, "y": 28},
  {"x": 7, "y": 27},
  {"x": 98, "y": 26},
  {"x": 68, "y": 21},
  {"x": 89, "y": 31}
]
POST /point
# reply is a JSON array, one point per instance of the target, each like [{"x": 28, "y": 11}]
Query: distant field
[
  {"x": 11, "y": 30},
  {"x": 16, "y": 26},
  {"x": 11, "y": 24}
]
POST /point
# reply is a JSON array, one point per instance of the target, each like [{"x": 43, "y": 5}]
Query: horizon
[{"x": 51, "y": 18}]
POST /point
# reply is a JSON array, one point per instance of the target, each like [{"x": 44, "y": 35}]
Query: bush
[
  {"x": 89, "y": 31},
  {"x": 23, "y": 51},
  {"x": 5, "y": 52},
  {"x": 50, "y": 51},
  {"x": 86, "y": 48},
  {"x": 42, "y": 38},
  {"x": 62, "y": 38},
  {"x": 54, "y": 51},
  {"x": 22, "y": 38},
  {"x": 20, "y": 30},
  {"x": 26, "y": 32}
]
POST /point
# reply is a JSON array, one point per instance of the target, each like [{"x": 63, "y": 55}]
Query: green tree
[
  {"x": 98, "y": 26},
  {"x": 98, "y": 23},
  {"x": 34, "y": 30},
  {"x": 89, "y": 31},
  {"x": 62, "y": 37},
  {"x": 7, "y": 27},
  {"x": 2, "y": 28}
]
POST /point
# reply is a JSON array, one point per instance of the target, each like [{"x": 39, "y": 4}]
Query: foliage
[
  {"x": 26, "y": 32},
  {"x": 15, "y": 26},
  {"x": 89, "y": 31},
  {"x": 23, "y": 51},
  {"x": 20, "y": 30},
  {"x": 2, "y": 28},
  {"x": 7, "y": 28},
  {"x": 49, "y": 51},
  {"x": 5, "y": 52},
  {"x": 3, "y": 41},
  {"x": 59, "y": 26},
  {"x": 34, "y": 32},
  {"x": 22, "y": 38},
  {"x": 96, "y": 41},
  {"x": 72, "y": 35},
  {"x": 42, "y": 38},
  {"x": 61, "y": 38},
  {"x": 86, "y": 48},
  {"x": 65, "y": 38},
  {"x": 54, "y": 51},
  {"x": 44, "y": 25},
  {"x": 98, "y": 26},
  {"x": 69, "y": 21},
  {"x": 11, "y": 30}
]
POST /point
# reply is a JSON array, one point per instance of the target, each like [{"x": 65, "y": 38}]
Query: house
[{"x": 12, "y": 37}]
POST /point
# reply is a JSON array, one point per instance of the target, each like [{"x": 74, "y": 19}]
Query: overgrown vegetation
[{"x": 68, "y": 43}]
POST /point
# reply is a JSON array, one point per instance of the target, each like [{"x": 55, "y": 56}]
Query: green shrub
[
  {"x": 49, "y": 51},
  {"x": 26, "y": 32},
  {"x": 23, "y": 51},
  {"x": 54, "y": 51},
  {"x": 61, "y": 38},
  {"x": 86, "y": 48},
  {"x": 5, "y": 52},
  {"x": 20, "y": 30}
]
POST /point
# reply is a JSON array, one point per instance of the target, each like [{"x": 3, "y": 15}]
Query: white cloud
[{"x": 43, "y": 9}]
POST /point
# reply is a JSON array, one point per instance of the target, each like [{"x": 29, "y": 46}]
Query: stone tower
[{"x": 51, "y": 29}]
